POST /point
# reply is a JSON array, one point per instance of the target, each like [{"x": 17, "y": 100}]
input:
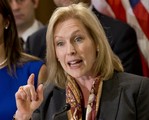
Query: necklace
[{"x": 3, "y": 62}]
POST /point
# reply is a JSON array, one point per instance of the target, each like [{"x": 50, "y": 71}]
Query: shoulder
[
  {"x": 52, "y": 94},
  {"x": 39, "y": 32},
  {"x": 131, "y": 81},
  {"x": 38, "y": 37},
  {"x": 127, "y": 92},
  {"x": 40, "y": 24},
  {"x": 126, "y": 81},
  {"x": 135, "y": 88},
  {"x": 32, "y": 66},
  {"x": 128, "y": 77},
  {"x": 127, "y": 84},
  {"x": 50, "y": 88},
  {"x": 108, "y": 21},
  {"x": 36, "y": 62},
  {"x": 35, "y": 67}
]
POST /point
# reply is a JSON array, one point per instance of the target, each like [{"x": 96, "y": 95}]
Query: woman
[
  {"x": 84, "y": 73},
  {"x": 15, "y": 66}
]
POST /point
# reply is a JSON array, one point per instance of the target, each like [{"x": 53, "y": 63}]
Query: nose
[
  {"x": 14, "y": 5},
  {"x": 71, "y": 50}
]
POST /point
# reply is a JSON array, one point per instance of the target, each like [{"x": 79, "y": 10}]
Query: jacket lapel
[
  {"x": 109, "y": 103},
  {"x": 59, "y": 101},
  {"x": 110, "y": 99},
  {"x": 109, "y": 106},
  {"x": 105, "y": 22}
]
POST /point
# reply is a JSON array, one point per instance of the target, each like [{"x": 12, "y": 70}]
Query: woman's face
[{"x": 75, "y": 49}]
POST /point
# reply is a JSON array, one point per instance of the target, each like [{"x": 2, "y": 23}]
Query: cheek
[
  {"x": 1, "y": 30},
  {"x": 91, "y": 54},
  {"x": 61, "y": 59},
  {"x": 60, "y": 55}
]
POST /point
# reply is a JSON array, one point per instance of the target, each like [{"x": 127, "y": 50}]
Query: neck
[
  {"x": 3, "y": 58},
  {"x": 85, "y": 84},
  {"x": 2, "y": 64},
  {"x": 85, "y": 81},
  {"x": 2, "y": 52}
]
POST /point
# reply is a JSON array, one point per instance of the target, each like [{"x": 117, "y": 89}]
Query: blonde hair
[{"x": 106, "y": 63}]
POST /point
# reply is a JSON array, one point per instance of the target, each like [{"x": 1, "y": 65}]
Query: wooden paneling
[{"x": 44, "y": 10}]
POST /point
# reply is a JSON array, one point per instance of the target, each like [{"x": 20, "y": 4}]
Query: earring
[
  {"x": 97, "y": 49},
  {"x": 6, "y": 27}
]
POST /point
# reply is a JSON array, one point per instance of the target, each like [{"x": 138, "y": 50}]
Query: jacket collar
[{"x": 109, "y": 104}]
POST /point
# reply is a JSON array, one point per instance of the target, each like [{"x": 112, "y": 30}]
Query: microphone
[{"x": 65, "y": 108}]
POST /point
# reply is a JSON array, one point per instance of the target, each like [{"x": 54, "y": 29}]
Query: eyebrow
[{"x": 73, "y": 33}]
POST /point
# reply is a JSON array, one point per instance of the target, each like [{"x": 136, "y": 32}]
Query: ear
[
  {"x": 36, "y": 2},
  {"x": 97, "y": 49}
]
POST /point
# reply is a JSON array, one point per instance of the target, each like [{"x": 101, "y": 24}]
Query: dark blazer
[
  {"x": 36, "y": 43},
  {"x": 121, "y": 37},
  {"x": 124, "y": 97}
]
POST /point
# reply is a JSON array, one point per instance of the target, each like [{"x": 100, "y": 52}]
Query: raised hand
[{"x": 28, "y": 99}]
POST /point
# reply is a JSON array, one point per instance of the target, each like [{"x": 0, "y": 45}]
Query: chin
[{"x": 76, "y": 75}]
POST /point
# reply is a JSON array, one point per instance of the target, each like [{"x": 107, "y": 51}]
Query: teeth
[{"x": 73, "y": 62}]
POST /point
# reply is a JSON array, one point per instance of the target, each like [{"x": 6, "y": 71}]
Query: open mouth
[{"x": 75, "y": 63}]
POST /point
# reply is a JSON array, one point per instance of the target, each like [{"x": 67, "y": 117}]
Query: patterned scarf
[{"x": 75, "y": 98}]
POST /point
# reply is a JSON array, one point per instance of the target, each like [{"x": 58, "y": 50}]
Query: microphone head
[
  {"x": 58, "y": 114},
  {"x": 67, "y": 106}
]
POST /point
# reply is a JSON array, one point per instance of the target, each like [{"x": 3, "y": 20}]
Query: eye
[
  {"x": 78, "y": 39},
  {"x": 59, "y": 43}
]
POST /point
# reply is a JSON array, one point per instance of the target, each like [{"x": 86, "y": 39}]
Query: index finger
[{"x": 31, "y": 79}]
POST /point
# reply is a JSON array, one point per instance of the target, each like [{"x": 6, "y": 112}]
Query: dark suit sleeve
[
  {"x": 127, "y": 49},
  {"x": 36, "y": 115},
  {"x": 123, "y": 41},
  {"x": 36, "y": 44},
  {"x": 143, "y": 101}
]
